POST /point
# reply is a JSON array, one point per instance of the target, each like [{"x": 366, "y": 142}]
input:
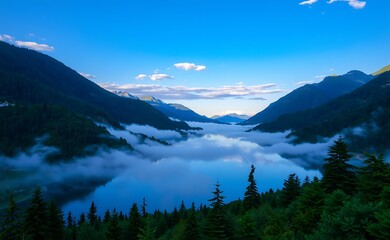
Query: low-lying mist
[{"x": 187, "y": 169}]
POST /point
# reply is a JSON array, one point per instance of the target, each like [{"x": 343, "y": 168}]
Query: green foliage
[
  {"x": 350, "y": 222},
  {"x": 218, "y": 225},
  {"x": 247, "y": 228},
  {"x": 147, "y": 232},
  {"x": 31, "y": 77},
  {"x": 92, "y": 216},
  {"x": 373, "y": 177},
  {"x": 56, "y": 222},
  {"x": 380, "y": 229},
  {"x": 67, "y": 131},
  {"x": 191, "y": 229},
  {"x": 36, "y": 218},
  {"x": 11, "y": 225},
  {"x": 291, "y": 189},
  {"x": 135, "y": 223},
  {"x": 338, "y": 173},
  {"x": 252, "y": 196},
  {"x": 114, "y": 231}
]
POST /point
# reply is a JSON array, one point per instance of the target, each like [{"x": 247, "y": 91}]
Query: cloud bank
[
  {"x": 87, "y": 75},
  {"x": 30, "y": 45},
  {"x": 239, "y": 90},
  {"x": 189, "y": 66}
]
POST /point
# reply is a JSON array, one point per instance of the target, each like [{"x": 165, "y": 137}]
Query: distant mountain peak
[
  {"x": 125, "y": 94},
  {"x": 152, "y": 99}
]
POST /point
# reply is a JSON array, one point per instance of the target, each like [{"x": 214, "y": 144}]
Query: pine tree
[
  {"x": 135, "y": 223},
  {"x": 291, "y": 189},
  {"x": 11, "y": 225},
  {"x": 107, "y": 216},
  {"x": 191, "y": 228},
  {"x": 252, "y": 196},
  {"x": 182, "y": 211},
  {"x": 56, "y": 222},
  {"x": 114, "y": 231},
  {"x": 338, "y": 173},
  {"x": 218, "y": 226},
  {"x": 147, "y": 232},
  {"x": 81, "y": 219},
  {"x": 374, "y": 176},
  {"x": 35, "y": 221},
  {"x": 247, "y": 228},
  {"x": 70, "y": 220},
  {"x": 143, "y": 208},
  {"x": 92, "y": 214}
]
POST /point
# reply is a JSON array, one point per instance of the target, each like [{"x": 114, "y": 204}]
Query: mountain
[
  {"x": 231, "y": 118},
  {"x": 125, "y": 94},
  {"x": 29, "y": 77},
  {"x": 362, "y": 115},
  {"x": 382, "y": 70},
  {"x": 177, "y": 111},
  {"x": 311, "y": 96}
]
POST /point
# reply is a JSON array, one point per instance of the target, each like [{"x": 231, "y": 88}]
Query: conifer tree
[
  {"x": 144, "y": 213},
  {"x": 252, "y": 196},
  {"x": 191, "y": 228},
  {"x": 35, "y": 220},
  {"x": 10, "y": 229},
  {"x": 218, "y": 226},
  {"x": 247, "y": 228},
  {"x": 147, "y": 232},
  {"x": 291, "y": 189},
  {"x": 70, "y": 220},
  {"x": 374, "y": 176},
  {"x": 135, "y": 223},
  {"x": 182, "y": 211},
  {"x": 81, "y": 219},
  {"x": 56, "y": 222},
  {"x": 92, "y": 214},
  {"x": 107, "y": 216},
  {"x": 114, "y": 231},
  {"x": 338, "y": 173}
]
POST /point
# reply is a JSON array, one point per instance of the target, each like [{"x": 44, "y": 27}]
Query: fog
[{"x": 187, "y": 169}]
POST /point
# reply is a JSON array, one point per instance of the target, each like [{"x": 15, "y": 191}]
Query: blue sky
[{"x": 244, "y": 54}]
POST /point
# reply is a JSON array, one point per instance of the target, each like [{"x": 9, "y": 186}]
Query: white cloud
[
  {"x": 353, "y": 3},
  {"x": 304, "y": 82},
  {"x": 308, "y": 2},
  {"x": 87, "y": 75},
  {"x": 154, "y": 77},
  {"x": 6, "y": 38},
  {"x": 189, "y": 66},
  {"x": 141, "y": 76},
  {"x": 35, "y": 46},
  {"x": 181, "y": 92},
  {"x": 160, "y": 76},
  {"x": 30, "y": 45}
]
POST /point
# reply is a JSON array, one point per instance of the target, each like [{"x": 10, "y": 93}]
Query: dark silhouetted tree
[
  {"x": 147, "y": 232},
  {"x": 56, "y": 223},
  {"x": 10, "y": 229},
  {"x": 338, "y": 173},
  {"x": 92, "y": 214},
  {"x": 252, "y": 196},
  {"x": 218, "y": 225},
  {"x": 107, "y": 216},
  {"x": 191, "y": 228},
  {"x": 373, "y": 177},
  {"x": 81, "y": 219},
  {"x": 35, "y": 220},
  {"x": 291, "y": 189},
  {"x": 135, "y": 223},
  {"x": 114, "y": 231}
]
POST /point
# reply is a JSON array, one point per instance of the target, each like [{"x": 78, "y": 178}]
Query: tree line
[{"x": 349, "y": 202}]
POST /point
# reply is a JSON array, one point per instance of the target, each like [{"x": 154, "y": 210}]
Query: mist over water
[
  {"x": 186, "y": 170},
  {"x": 189, "y": 168}
]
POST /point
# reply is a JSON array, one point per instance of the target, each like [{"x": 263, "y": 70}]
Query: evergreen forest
[{"x": 349, "y": 202}]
